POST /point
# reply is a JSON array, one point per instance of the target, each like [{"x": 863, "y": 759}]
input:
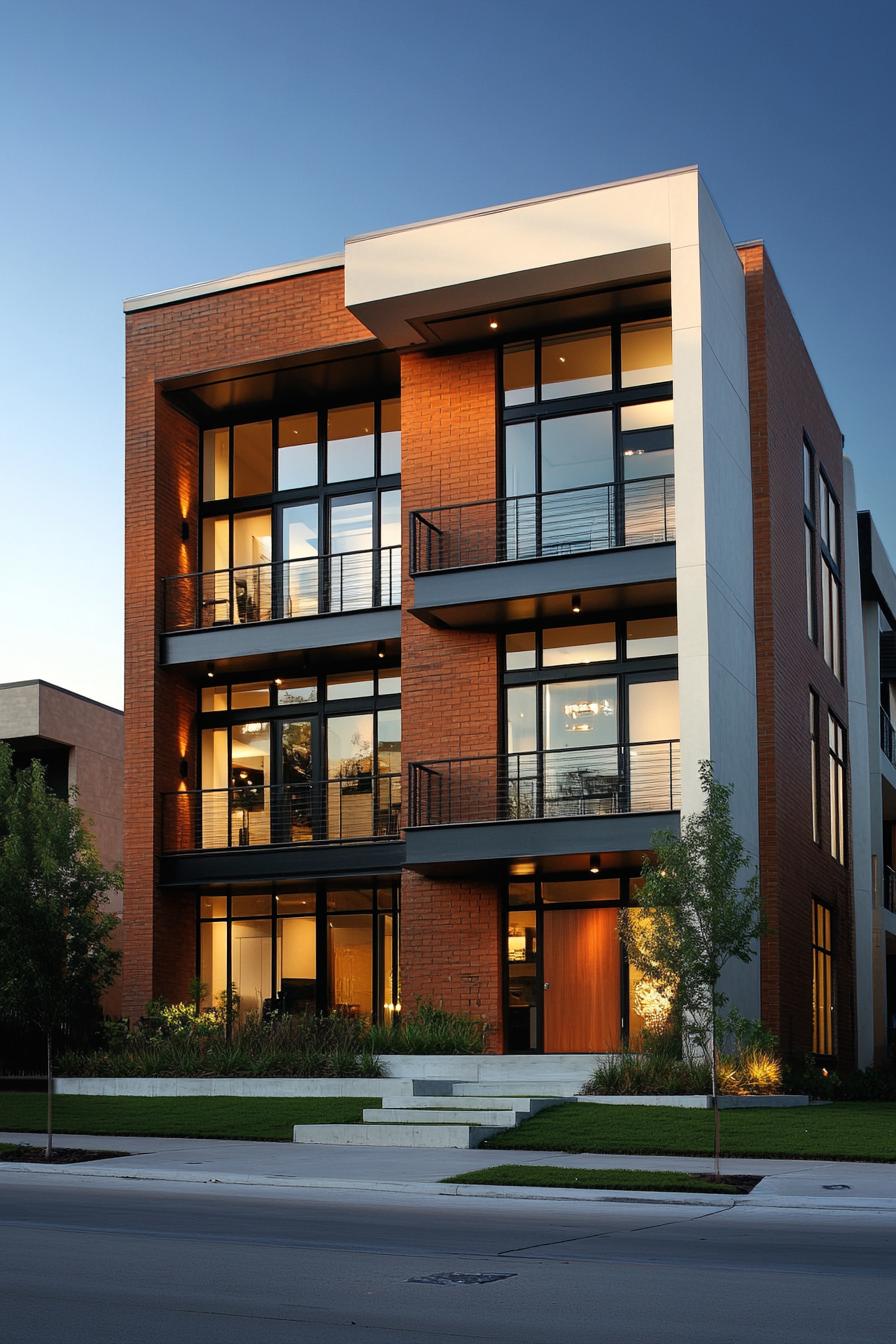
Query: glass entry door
[{"x": 582, "y": 993}]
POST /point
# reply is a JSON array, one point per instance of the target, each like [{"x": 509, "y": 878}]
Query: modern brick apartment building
[{"x": 450, "y": 557}]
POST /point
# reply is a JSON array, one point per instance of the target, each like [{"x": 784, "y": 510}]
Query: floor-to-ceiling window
[
  {"x": 301, "y": 947},
  {"x": 591, "y": 717},
  {"x": 301, "y": 514},
  {"x": 299, "y": 759},
  {"x": 588, "y": 440}
]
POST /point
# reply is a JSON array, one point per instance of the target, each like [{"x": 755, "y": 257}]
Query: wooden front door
[{"x": 582, "y": 1006}]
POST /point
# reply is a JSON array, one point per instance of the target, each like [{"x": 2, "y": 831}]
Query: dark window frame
[
  {"x": 508, "y": 907},
  {"x": 823, "y": 956},
  {"x": 321, "y": 915},
  {"x": 838, "y": 811}
]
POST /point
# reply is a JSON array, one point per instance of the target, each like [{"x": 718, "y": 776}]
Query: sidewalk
[{"x": 786, "y": 1183}]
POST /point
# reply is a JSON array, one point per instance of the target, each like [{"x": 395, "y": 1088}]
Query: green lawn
[
  {"x": 179, "y": 1117},
  {"x": 569, "y": 1178},
  {"x": 852, "y": 1130}
]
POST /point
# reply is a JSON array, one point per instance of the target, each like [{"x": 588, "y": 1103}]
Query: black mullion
[
  {"x": 228, "y": 993},
  {"x": 539, "y": 969},
  {"x": 274, "y": 995},
  {"x": 322, "y": 977}
]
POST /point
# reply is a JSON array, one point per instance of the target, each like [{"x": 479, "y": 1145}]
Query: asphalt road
[{"x": 110, "y": 1262}]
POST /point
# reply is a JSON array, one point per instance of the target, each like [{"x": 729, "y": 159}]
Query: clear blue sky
[{"x": 145, "y": 146}]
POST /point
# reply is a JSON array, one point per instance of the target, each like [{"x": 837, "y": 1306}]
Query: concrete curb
[{"x": 176, "y": 1176}]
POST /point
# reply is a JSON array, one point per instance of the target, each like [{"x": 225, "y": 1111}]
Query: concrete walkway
[{"x": 788, "y": 1182}]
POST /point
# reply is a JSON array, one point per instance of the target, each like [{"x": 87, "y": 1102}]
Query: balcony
[
  {"x": 521, "y": 556},
  {"x": 306, "y": 829},
  {"x": 270, "y": 608},
  {"x": 489, "y": 808},
  {"x": 887, "y": 737}
]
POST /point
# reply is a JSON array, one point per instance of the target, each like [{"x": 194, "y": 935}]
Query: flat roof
[
  {"x": 336, "y": 259},
  {"x": 242, "y": 281},
  {"x": 52, "y": 686}
]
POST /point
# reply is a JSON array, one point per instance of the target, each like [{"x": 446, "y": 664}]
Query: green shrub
[
  {"x": 301, "y": 1046},
  {"x": 824, "y": 1084},
  {"x": 429, "y": 1030}
]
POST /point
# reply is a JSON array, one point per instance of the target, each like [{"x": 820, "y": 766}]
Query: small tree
[
  {"x": 55, "y": 957},
  {"x": 693, "y": 917}
]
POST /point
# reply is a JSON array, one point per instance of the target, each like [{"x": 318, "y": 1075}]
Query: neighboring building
[
  {"x": 434, "y": 606},
  {"x": 80, "y": 743}
]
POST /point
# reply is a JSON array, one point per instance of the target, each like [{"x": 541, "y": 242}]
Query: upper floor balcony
[
  {"x": 269, "y": 608},
  {"x": 887, "y": 737},
  {"x": 343, "y": 825},
  {"x": 540, "y": 803},
  {"x": 478, "y": 563}
]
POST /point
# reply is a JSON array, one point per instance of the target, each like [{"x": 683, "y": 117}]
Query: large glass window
[
  {"x": 278, "y": 550},
  {"x": 252, "y": 457},
  {"x": 814, "y": 766},
  {"x": 351, "y": 445},
  {"x": 332, "y": 771},
  {"x": 837, "y": 787},
  {"x": 264, "y": 947},
  {"x": 597, "y": 472},
  {"x": 823, "y": 1033}
]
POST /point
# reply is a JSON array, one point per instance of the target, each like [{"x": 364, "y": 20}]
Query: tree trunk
[
  {"x": 717, "y": 1127},
  {"x": 49, "y": 1152}
]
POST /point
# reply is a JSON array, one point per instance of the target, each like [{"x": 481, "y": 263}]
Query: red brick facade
[
  {"x": 450, "y": 945},
  {"x": 786, "y": 402},
  {"x": 305, "y": 312}
]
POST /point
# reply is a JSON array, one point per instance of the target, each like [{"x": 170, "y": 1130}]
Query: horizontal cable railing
[
  {"x": 889, "y": 889},
  {"x": 538, "y": 785},
  {"x": 315, "y": 585},
  {"x": 554, "y": 523},
  {"x": 887, "y": 736},
  {"x": 335, "y": 811}
]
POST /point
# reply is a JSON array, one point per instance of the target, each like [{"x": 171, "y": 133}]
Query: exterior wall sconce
[
  {"x": 185, "y": 530},
  {"x": 184, "y": 767}
]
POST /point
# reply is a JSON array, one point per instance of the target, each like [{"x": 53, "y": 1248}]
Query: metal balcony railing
[
  {"x": 335, "y": 811},
  {"x": 554, "y": 523},
  {"x": 538, "y": 785},
  {"x": 313, "y": 586},
  {"x": 887, "y": 736},
  {"x": 890, "y": 889}
]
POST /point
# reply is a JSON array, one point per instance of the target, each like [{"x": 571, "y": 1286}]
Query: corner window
[{"x": 837, "y": 785}]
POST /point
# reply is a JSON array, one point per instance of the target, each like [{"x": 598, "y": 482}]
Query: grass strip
[
  {"x": 180, "y": 1117},
  {"x": 850, "y": 1131},
  {"x": 574, "y": 1178}
]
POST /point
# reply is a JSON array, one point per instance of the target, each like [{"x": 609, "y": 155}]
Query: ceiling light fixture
[
  {"x": 381, "y": 650},
  {"x": 493, "y": 326},
  {"x": 594, "y": 863},
  {"x": 576, "y": 603},
  {"x": 209, "y": 669}
]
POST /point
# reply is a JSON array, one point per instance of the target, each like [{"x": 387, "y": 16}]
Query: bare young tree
[{"x": 698, "y": 909}]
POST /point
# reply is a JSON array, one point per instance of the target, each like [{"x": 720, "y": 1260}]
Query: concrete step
[
  {"x": 555, "y": 1088},
  {"x": 389, "y": 1115},
  {"x": 396, "y": 1136},
  {"x": 527, "y": 1105}
]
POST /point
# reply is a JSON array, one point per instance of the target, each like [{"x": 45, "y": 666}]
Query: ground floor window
[
  {"x": 316, "y": 947},
  {"x": 568, "y": 986},
  {"x": 822, "y": 981}
]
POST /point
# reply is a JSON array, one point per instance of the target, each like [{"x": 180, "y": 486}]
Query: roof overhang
[{"x": 400, "y": 282}]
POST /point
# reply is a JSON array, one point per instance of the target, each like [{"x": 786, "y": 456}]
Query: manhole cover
[
  {"x": 836, "y": 1187},
  {"x": 462, "y": 1278}
]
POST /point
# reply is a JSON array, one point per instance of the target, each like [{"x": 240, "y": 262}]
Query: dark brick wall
[{"x": 786, "y": 400}]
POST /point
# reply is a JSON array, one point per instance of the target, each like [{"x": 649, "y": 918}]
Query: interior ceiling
[{"x": 340, "y": 376}]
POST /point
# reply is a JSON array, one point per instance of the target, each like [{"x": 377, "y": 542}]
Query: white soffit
[{"x": 512, "y": 253}]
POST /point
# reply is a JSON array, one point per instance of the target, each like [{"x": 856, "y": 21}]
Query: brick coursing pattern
[
  {"x": 216, "y": 331},
  {"x": 450, "y": 937},
  {"x": 786, "y": 401}
]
